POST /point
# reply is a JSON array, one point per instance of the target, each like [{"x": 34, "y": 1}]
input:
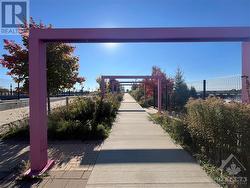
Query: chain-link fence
[{"x": 225, "y": 87}]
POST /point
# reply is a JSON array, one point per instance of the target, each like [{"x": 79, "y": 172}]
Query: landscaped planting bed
[
  {"x": 83, "y": 118},
  {"x": 211, "y": 130}
]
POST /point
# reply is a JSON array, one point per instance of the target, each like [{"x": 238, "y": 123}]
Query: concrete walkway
[
  {"x": 139, "y": 153},
  {"x": 74, "y": 161}
]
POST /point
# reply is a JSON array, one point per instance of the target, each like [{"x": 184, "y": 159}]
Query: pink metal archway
[
  {"x": 130, "y": 83},
  {"x": 159, "y": 80},
  {"x": 121, "y": 83},
  {"x": 37, "y": 66}
]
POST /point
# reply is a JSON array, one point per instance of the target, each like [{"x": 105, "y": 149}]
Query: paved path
[
  {"x": 74, "y": 161},
  {"x": 139, "y": 153}
]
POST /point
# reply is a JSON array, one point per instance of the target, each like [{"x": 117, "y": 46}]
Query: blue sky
[{"x": 197, "y": 60}]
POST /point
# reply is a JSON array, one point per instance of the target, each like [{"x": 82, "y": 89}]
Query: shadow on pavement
[
  {"x": 13, "y": 153},
  {"x": 144, "y": 156}
]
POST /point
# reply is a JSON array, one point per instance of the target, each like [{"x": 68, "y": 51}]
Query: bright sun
[{"x": 111, "y": 45}]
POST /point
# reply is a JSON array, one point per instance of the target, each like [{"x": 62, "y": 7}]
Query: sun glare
[{"x": 111, "y": 45}]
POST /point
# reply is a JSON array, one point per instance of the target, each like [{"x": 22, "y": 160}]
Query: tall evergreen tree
[{"x": 181, "y": 91}]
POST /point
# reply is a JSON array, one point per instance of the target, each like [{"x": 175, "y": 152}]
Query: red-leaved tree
[
  {"x": 151, "y": 84},
  {"x": 62, "y": 65}
]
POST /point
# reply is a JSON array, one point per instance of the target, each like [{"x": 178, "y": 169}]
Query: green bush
[
  {"x": 119, "y": 97},
  {"x": 84, "y": 118},
  {"x": 176, "y": 128},
  {"x": 137, "y": 94},
  {"x": 101, "y": 131},
  {"x": 146, "y": 103},
  {"x": 212, "y": 130},
  {"x": 180, "y": 132},
  {"x": 219, "y": 129}
]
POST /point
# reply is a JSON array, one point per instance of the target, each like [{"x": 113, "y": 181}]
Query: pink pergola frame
[
  {"x": 37, "y": 66},
  {"x": 127, "y": 83},
  {"x": 131, "y": 82}
]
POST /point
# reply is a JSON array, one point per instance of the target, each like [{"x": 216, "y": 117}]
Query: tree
[
  {"x": 62, "y": 65},
  {"x": 181, "y": 91},
  {"x": 192, "y": 92},
  {"x": 151, "y": 84},
  {"x": 144, "y": 92}
]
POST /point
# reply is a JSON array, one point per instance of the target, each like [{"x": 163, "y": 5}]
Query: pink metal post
[
  {"x": 246, "y": 72},
  {"x": 102, "y": 86},
  {"x": 38, "y": 114},
  {"x": 159, "y": 95},
  {"x": 112, "y": 82}
]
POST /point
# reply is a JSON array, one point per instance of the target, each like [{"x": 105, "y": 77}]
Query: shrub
[
  {"x": 101, "y": 131},
  {"x": 176, "y": 128},
  {"x": 219, "y": 129},
  {"x": 119, "y": 97},
  {"x": 84, "y": 118},
  {"x": 138, "y": 93},
  {"x": 145, "y": 103},
  {"x": 212, "y": 130},
  {"x": 180, "y": 132}
]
